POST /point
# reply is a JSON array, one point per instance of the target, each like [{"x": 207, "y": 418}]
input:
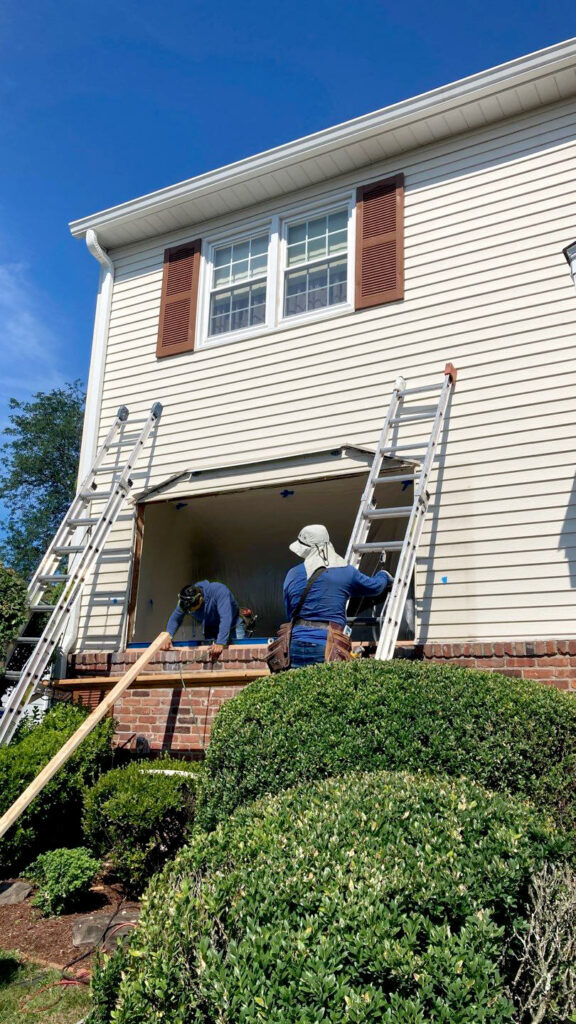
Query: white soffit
[{"x": 513, "y": 88}]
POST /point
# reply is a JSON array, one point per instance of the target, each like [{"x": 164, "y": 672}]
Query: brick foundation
[
  {"x": 549, "y": 661},
  {"x": 180, "y": 720}
]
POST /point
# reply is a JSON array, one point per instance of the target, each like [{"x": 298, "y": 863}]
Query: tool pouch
[
  {"x": 278, "y": 656},
  {"x": 338, "y": 644}
]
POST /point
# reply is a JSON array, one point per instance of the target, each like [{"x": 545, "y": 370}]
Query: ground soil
[{"x": 48, "y": 940}]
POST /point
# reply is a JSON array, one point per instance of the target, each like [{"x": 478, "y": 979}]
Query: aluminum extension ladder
[
  {"x": 79, "y": 539},
  {"x": 419, "y": 468}
]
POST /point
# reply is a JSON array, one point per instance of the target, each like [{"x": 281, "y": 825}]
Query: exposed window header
[{"x": 374, "y": 137}]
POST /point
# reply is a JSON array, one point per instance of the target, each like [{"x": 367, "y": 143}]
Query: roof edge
[{"x": 463, "y": 90}]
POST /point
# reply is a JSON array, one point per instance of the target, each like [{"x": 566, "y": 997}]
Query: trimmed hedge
[
  {"x": 372, "y": 897},
  {"x": 53, "y": 818},
  {"x": 140, "y": 817},
  {"x": 508, "y": 734}
]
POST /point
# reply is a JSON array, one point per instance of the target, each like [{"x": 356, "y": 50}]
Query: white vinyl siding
[{"x": 487, "y": 287}]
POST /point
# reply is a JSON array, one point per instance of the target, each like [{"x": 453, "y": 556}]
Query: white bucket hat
[{"x": 314, "y": 546}]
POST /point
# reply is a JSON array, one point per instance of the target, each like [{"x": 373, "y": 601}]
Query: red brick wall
[
  {"x": 181, "y": 719},
  {"x": 178, "y": 720},
  {"x": 549, "y": 661}
]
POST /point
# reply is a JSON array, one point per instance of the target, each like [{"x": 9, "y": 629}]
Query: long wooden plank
[
  {"x": 166, "y": 680},
  {"x": 37, "y": 785}
]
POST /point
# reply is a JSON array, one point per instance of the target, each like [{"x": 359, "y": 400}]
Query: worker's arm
[
  {"x": 365, "y": 585},
  {"x": 174, "y": 623},
  {"x": 226, "y": 615}
]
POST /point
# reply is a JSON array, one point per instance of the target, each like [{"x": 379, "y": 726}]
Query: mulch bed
[{"x": 49, "y": 939}]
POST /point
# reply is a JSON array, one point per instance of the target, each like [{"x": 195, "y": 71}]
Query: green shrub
[
  {"x": 372, "y": 897},
  {"x": 140, "y": 817},
  {"x": 508, "y": 734},
  {"x": 107, "y": 976},
  {"x": 53, "y": 818},
  {"x": 62, "y": 877},
  {"x": 12, "y": 606}
]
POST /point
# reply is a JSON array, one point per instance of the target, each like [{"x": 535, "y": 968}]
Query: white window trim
[{"x": 277, "y": 228}]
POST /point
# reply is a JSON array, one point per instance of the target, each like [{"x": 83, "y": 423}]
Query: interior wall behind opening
[{"x": 242, "y": 539}]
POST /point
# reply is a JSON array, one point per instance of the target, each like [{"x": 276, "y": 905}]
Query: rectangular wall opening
[{"x": 242, "y": 539}]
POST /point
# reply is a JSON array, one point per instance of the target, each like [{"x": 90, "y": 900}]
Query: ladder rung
[
  {"x": 388, "y": 513},
  {"x": 404, "y": 447},
  {"x": 27, "y": 640},
  {"x": 380, "y": 545},
  {"x": 126, "y": 440},
  {"x": 397, "y": 479},
  {"x": 109, "y": 469},
  {"x": 72, "y": 549},
  {"x": 413, "y": 419},
  {"x": 420, "y": 391},
  {"x": 96, "y": 495},
  {"x": 54, "y": 577},
  {"x": 41, "y": 608},
  {"x": 12, "y": 676},
  {"x": 87, "y": 521}
]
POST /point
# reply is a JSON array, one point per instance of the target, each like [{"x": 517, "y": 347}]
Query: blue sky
[{"x": 102, "y": 101}]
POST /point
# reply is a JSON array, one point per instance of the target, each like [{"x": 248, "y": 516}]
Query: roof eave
[{"x": 523, "y": 70}]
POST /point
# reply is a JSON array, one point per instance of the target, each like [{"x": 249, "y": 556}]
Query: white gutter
[{"x": 94, "y": 391}]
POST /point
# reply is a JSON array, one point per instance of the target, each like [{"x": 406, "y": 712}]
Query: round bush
[
  {"x": 53, "y": 818},
  {"x": 140, "y": 817},
  {"x": 372, "y": 897},
  {"x": 508, "y": 734},
  {"x": 62, "y": 878}
]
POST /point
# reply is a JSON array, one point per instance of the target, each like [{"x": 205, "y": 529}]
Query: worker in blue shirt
[
  {"x": 215, "y": 606},
  {"x": 328, "y": 596}
]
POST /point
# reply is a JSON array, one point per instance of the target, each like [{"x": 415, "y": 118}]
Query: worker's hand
[
  {"x": 214, "y": 652},
  {"x": 166, "y": 644}
]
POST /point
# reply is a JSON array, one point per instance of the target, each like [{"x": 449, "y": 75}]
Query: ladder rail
[
  {"x": 362, "y": 526},
  {"x": 50, "y": 560},
  {"x": 35, "y": 667},
  {"x": 392, "y": 614}
]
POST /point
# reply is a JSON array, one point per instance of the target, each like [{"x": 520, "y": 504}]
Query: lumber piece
[
  {"x": 41, "y": 780},
  {"x": 165, "y": 680}
]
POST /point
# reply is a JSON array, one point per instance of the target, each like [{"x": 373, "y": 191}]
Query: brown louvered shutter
[
  {"x": 380, "y": 242},
  {"x": 179, "y": 299}
]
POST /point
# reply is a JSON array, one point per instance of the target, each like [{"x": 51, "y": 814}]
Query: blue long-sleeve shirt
[
  {"x": 327, "y": 598},
  {"x": 218, "y": 614}
]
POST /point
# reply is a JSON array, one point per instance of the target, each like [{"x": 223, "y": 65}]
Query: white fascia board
[{"x": 516, "y": 73}]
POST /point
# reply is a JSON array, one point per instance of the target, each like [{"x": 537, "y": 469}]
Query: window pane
[
  {"x": 240, "y": 251},
  {"x": 337, "y": 241},
  {"x": 222, "y": 256},
  {"x": 321, "y": 285},
  {"x": 237, "y": 308},
  {"x": 221, "y": 276},
  {"x": 317, "y": 248},
  {"x": 338, "y": 221},
  {"x": 260, "y": 245},
  {"x": 297, "y": 233},
  {"x": 240, "y": 270},
  {"x": 296, "y": 253},
  {"x": 258, "y": 264},
  {"x": 317, "y": 227}
]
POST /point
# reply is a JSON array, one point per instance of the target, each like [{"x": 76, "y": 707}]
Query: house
[{"x": 271, "y": 304}]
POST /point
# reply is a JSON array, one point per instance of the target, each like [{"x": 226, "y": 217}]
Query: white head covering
[{"x": 313, "y": 545}]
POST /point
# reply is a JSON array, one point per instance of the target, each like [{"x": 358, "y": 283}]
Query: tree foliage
[
  {"x": 12, "y": 606},
  {"x": 39, "y": 459}
]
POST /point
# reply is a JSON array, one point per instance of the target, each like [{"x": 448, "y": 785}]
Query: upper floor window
[
  {"x": 304, "y": 263},
  {"x": 316, "y": 268},
  {"x": 238, "y": 285}
]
